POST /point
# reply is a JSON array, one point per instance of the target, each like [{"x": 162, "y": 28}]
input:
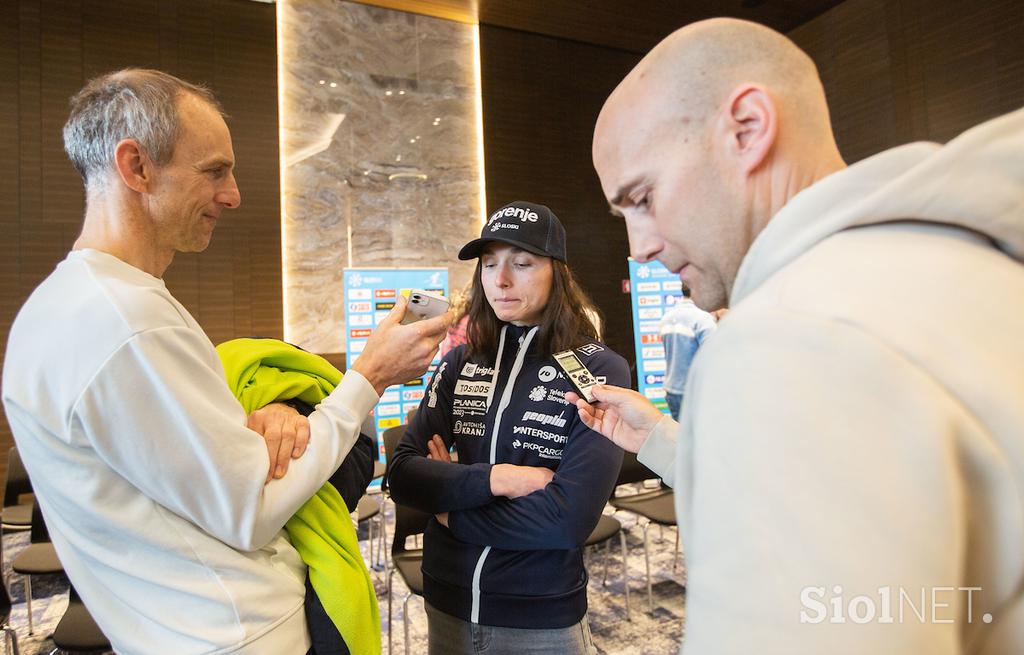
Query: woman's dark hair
[{"x": 565, "y": 323}]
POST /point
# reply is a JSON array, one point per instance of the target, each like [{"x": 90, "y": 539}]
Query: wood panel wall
[
  {"x": 894, "y": 71},
  {"x": 541, "y": 98},
  {"x": 48, "y": 50},
  {"x": 897, "y": 71}
]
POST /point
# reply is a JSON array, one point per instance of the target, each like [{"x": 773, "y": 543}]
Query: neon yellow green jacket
[{"x": 262, "y": 371}]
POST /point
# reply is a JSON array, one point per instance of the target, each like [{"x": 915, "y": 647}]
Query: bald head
[
  {"x": 711, "y": 133},
  {"x": 686, "y": 78}
]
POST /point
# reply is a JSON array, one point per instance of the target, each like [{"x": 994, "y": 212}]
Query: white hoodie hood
[{"x": 939, "y": 185}]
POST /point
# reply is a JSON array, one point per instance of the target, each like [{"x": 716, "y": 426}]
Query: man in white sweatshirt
[
  {"x": 849, "y": 465},
  {"x": 154, "y": 490}
]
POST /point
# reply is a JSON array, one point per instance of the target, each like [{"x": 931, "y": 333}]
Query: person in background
[
  {"x": 120, "y": 408},
  {"x": 502, "y": 562},
  {"x": 684, "y": 327},
  {"x": 852, "y": 443},
  {"x": 457, "y": 333}
]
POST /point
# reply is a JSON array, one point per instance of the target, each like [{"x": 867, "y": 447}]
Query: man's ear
[
  {"x": 133, "y": 166},
  {"x": 752, "y": 124}
]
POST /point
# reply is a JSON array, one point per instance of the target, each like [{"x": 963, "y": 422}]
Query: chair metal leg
[
  {"x": 369, "y": 537},
  {"x": 28, "y": 602},
  {"x": 607, "y": 556},
  {"x": 647, "y": 563},
  {"x": 675, "y": 553},
  {"x": 10, "y": 641},
  {"x": 625, "y": 569},
  {"x": 405, "y": 620},
  {"x": 391, "y": 575},
  {"x": 383, "y": 535}
]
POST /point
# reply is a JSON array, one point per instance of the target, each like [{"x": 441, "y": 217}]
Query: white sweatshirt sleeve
[
  {"x": 161, "y": 415},
  {"x": 820, "y": 465},
  {"x": 659, "y": 450}
]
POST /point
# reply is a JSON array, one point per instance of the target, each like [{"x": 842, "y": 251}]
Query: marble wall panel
[{"x": 379, "y": 148}]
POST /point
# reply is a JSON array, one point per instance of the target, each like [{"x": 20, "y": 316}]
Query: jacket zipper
[{"x": 506, "y": 397}]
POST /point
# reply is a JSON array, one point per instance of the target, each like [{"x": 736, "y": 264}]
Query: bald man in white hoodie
[{"x": 849, "y": 466}]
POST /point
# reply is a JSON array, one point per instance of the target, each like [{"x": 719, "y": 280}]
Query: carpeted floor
[{"x": 649, "y": 632}]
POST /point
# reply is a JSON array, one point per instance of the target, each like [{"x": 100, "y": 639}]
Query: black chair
[
  {"x": 407, "y": 563},
  {"x": 38, "y": 558},
  {"x": 657, "y": 506},
  {"x": 10, "y": 636},
  {"x": 15, "y": 515},
  {"x": 77, "y": 632},
  {"x": 369, "y": 428},
  {"x": 371, "y": 505},
  {"x": 370, "y": 510},
  {"x": 391, "y": 438}
]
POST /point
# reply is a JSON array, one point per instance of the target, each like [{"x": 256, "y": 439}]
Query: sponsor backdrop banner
[
  {"x": 370, "y": 293},
  {"x": 652, "y": 289}
]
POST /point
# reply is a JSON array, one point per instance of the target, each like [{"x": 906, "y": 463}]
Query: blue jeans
[
  {"x": 448, "y": 635},
  {"x": 675, "y": 402}
]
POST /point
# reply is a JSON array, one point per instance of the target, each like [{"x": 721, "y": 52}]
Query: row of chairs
[{"x": 654, "y": 507}]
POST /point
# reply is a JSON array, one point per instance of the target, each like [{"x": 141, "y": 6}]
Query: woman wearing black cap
[{"x": 503, "y": 565}]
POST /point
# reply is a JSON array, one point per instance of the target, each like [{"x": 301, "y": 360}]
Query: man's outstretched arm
[{"x": 633, "y": 423}]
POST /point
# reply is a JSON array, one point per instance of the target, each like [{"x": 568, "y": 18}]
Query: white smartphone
[{"x": 423, "y": 304}]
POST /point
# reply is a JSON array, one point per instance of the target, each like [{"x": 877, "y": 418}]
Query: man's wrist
[{"x": 366, "y": 369}]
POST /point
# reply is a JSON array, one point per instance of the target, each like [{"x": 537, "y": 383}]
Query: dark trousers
[{"x": 322, "y": 631}]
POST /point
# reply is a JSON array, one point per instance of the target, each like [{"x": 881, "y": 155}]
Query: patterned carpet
[{"x": 656, "y": 632}]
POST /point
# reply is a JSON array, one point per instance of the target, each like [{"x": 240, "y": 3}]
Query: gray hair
[{"x": 133, "y": 103}]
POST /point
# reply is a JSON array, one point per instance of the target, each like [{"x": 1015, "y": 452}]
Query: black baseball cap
[{"x": 526, "y": 225}]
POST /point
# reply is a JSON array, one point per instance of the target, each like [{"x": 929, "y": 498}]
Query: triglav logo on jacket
[
  {"x": 546, "y": 374},
  {"x": 472, "y": 370}
]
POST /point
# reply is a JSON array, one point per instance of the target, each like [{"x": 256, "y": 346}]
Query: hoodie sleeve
[
  {"x": 563, "y": 514},
  {"x": 425, "y": 484}
]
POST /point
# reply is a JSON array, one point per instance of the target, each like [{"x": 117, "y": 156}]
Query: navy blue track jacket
[{"x": 508, "y": 562}]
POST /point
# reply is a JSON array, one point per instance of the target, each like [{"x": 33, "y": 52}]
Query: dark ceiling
[{"x": 633, "y": 25}]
